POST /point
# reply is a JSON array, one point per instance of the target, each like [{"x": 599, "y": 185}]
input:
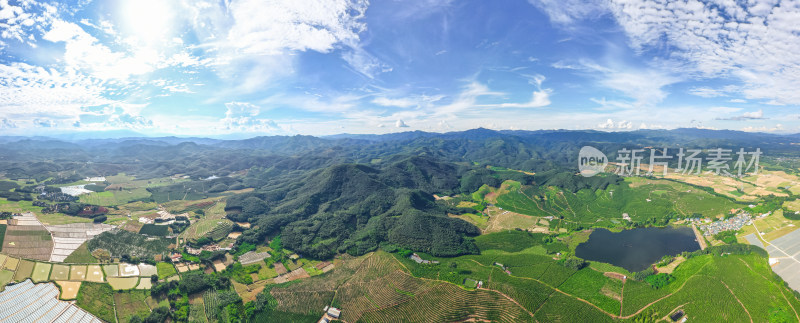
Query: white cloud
[
  {"x": 44, "y": 123},
  {"x": 644, "y": 85},
  {"x": 7, "y": 124},
  {"x": 776, "y": 128},
  {"x": 32, "y": 90},
  {"x": 754, "y": 115},
  {"x": 400, "y": 102},
  {"x": 400, "y": 124},
  {"x": 756, "y": 42},
  {"x": 242, "y": 116},
  {"x": 737, "y": 101},
  {"x": 566, "y": 12},
  {"x": 272, "y": 27},
  {"x": 623, "y": 124},
  {"x": 539, "y": 98}
]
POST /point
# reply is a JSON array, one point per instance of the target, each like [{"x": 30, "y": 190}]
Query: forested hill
[{"x": 354, "y": 208}]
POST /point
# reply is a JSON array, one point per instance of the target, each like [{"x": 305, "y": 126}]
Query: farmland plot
[{"x": 26, "y": 237}]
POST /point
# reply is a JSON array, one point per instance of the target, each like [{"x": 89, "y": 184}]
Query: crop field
[
  {"x": 77, "y": 273},
  {"x": 59, "y": 272},
  {"x": 210, "y": 302},
  {"x": 24, "y": 270},
  {"x": 115, "y": 197},
  {"x": 587, "y": 283},
  {"x": 5, "y": 277},
  {"x": 11, "y": 263},
  {"x": 165, "y": 270},
  {"x": 94, "y": 274},
  {"x": 98, "y": 300},
  {"x": 130, "y": 303},
  {"x": 448, "y": 303},
  {"x": 793, "y": 205},
  {"x": 123, "y": 283},
  {"x": 641, "y": 198},
  {"x": 32, "y": 242},
  {"x": 41, "y": 272},
  {"x": 562, "y": 308},
  {"x": 111, "y": 270}
]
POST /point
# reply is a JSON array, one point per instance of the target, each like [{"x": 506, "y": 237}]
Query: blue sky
[{"x": 246, "y": 67}]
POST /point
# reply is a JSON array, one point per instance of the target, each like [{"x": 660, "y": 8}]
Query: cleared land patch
[{"x": 69, "y": 290}]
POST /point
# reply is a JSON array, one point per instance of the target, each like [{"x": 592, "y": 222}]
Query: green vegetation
[
  {"x": 646, "y": 201},
  {"x": 96, "y": 298},
  {"x": 154, "y": 230},
  {"x": 131, "y": 303},
  {"x": 728, "y": 237},
  {"x": 2, "y": 235},
  {"x": 81, "y": 255},
  {"x": 659, "y": 280},
  {"x": 121, "y": 243},
  {"x": 165, "y": 270}
]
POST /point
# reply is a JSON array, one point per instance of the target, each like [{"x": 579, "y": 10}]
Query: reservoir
[{"x": 636, "y": 249}]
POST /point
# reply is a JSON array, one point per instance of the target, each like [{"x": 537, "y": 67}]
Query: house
[
  {"x": 334, "y": 312},
  {"x": 175, "y": 257},
  {"x": 419, "y": 260}
]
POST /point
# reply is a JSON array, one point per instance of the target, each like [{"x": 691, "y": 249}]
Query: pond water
[{"x": 636, "y": 249}]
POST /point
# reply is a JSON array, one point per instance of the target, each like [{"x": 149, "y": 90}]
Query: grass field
[
  {"x": 5, "y": 277},
  {"x": 165, "y": 270},
  {"x": 115, "y": 197},
  {"x": 81, "y": 255},
  {"x": 58, "y": 218},
  {"x": 97, "y": 299},
  {"x": 130, "y": 303},
  {"x": 480, "y": 221}
]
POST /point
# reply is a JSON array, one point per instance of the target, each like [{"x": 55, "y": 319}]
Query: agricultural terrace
[{"x": 212, "y": 223}]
